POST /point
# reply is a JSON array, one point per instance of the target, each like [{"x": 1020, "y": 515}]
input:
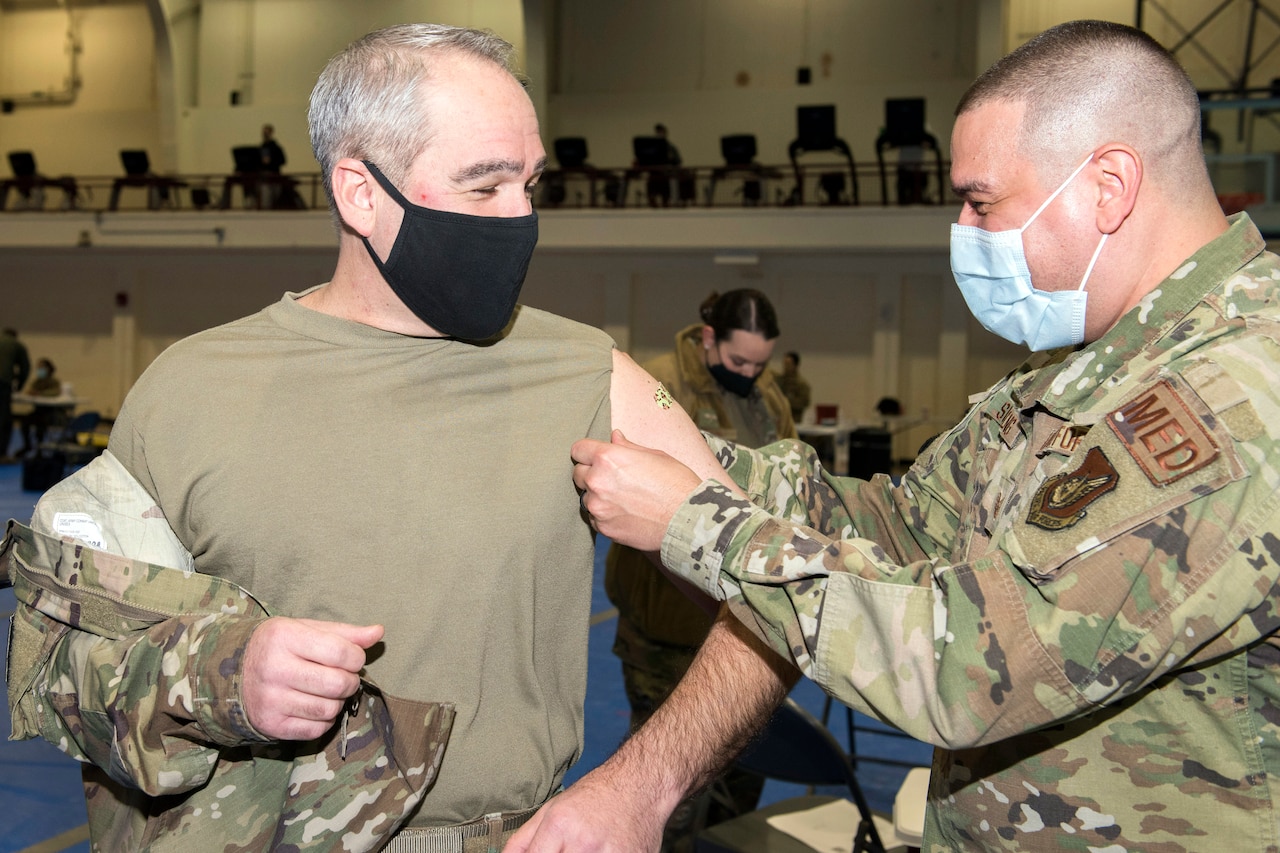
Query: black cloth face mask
[
  {"x": 734, "y": 383},
  {"x": 459, "y": 274}
]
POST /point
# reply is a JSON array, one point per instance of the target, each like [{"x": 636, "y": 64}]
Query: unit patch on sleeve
[
  {"x": 1061, "y": 500},
  {"x": 1162, "y": 435}
]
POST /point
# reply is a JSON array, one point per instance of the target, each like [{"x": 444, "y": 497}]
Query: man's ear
[
  {"x": 353, "y": 195},
  {"x": 1119, "y": 177}
]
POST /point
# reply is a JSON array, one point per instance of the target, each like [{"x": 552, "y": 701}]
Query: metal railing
[
  {"x": 746, "y": 185},
  {"x": 751, "y": 185},
  {"x": 294, "y": 191}
]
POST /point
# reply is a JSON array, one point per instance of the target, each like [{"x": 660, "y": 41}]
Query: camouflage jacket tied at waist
[
  {"x": 1074, "y": 594},
  {"x": 179, "y": 767}
]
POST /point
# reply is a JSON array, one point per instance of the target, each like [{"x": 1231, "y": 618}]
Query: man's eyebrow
[
  {"x": 966, "y": 190},
  {"x": 485, "y": 168}
]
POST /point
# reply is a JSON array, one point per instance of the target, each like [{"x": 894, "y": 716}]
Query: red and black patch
[
  {"x": 1163, "y": 435},
  {"x": 1061, "y": 500}
]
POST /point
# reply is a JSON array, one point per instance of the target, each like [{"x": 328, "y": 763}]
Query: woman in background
[{"x": 717, "y": 373}]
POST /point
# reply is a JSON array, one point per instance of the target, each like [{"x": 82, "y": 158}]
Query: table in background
[
  {"x": 25, "y": 404},
  {"x": 31, "y": 190},
  {"x": 161, "y": 191},
  {"x": 62, "y": 401},
  {"x": 262, "y": 191},
  {"x": 851, "y": 449}
]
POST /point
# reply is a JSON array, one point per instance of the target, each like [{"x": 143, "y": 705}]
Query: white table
[
  {"x": 58, "y": 410},
  {"x": 851, "y": 448},
  {"x": 831, "y": 441},
  {"x": 62, "y": 401}
]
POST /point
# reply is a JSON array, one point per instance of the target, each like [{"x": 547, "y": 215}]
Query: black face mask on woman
[
  {"x": 734, "y": 383},
  {"x": 459, "y": 274}
]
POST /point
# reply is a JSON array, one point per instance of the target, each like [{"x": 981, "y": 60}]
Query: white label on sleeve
[{"x": 79, "y": 526}]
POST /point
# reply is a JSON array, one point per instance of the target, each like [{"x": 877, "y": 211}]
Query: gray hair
[
  {"x": 1084, "y": 83},
  {"x": 367, "y": 102}
]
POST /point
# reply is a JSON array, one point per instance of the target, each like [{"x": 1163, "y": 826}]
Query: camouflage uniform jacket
[
  {"x": 1072, "y": 594},
  {"x": 179, "y": 766}
]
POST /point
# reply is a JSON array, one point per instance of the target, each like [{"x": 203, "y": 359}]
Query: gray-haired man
[{"x": 382, "y": 462}]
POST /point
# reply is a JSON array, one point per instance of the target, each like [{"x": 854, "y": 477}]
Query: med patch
[{"x": 1165, "y": 438}]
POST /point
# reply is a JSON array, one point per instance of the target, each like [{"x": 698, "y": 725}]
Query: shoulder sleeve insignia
[
  {"x": 1162, "y": 435},
  {"x": 1061, "y": 500}
]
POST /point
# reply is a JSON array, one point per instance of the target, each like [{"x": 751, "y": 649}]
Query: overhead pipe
[{"x": 53, "y": 97}]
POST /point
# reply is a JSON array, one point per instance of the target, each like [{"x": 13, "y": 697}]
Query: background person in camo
[
  {"x": 381, "y": 461},
  {"x": 15, "y": 367},
  {"x": 718, "y": 373},
  {"x": 1073, "y": 593},
  {"x": 794, "y": 385}
]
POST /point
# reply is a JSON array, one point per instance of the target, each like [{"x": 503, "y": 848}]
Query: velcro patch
[
  {"x": 1010, "y": 424},
  {"x": 1066, "y": 440},
  {"x": 1061, "y": 500},
  {"x": 1165, "y": 438}
]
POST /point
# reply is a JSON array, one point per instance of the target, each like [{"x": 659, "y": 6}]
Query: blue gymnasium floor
[{"x": 42, "y": 810}]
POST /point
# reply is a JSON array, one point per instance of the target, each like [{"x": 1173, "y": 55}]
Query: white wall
[
  {"x": 867, "y": 324},
  {"x": 271, "y": 51},
  {"x": 268, "y": 50},
  {"x": 613, "y": 67},
  {"x": 115, "y": 107},
  {"x": 718, "y": 67},
  {"x": 63, "y": 302}
]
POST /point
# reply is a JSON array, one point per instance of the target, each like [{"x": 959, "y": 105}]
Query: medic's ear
[
  {"x": 1118, "y": 178},
  {"x": 353, "y": 195}
]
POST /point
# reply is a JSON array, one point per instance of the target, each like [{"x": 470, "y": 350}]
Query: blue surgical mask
[{"x": 991, "y": 269}]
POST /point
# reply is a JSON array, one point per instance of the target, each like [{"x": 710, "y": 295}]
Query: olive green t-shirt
[{"x": 342, "y": 472}]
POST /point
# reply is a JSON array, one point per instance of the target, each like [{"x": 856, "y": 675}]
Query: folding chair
[{"x": 795, "y": 747}]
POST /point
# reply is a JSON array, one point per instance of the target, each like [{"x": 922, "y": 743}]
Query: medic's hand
[
  {"x": 631, "y": 492},
  {"x": 298, "y": 674}
]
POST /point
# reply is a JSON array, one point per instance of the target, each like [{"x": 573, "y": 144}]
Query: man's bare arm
[
  {"x": 647, "y": 416},
  {"x": 727, "y": 695}
]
